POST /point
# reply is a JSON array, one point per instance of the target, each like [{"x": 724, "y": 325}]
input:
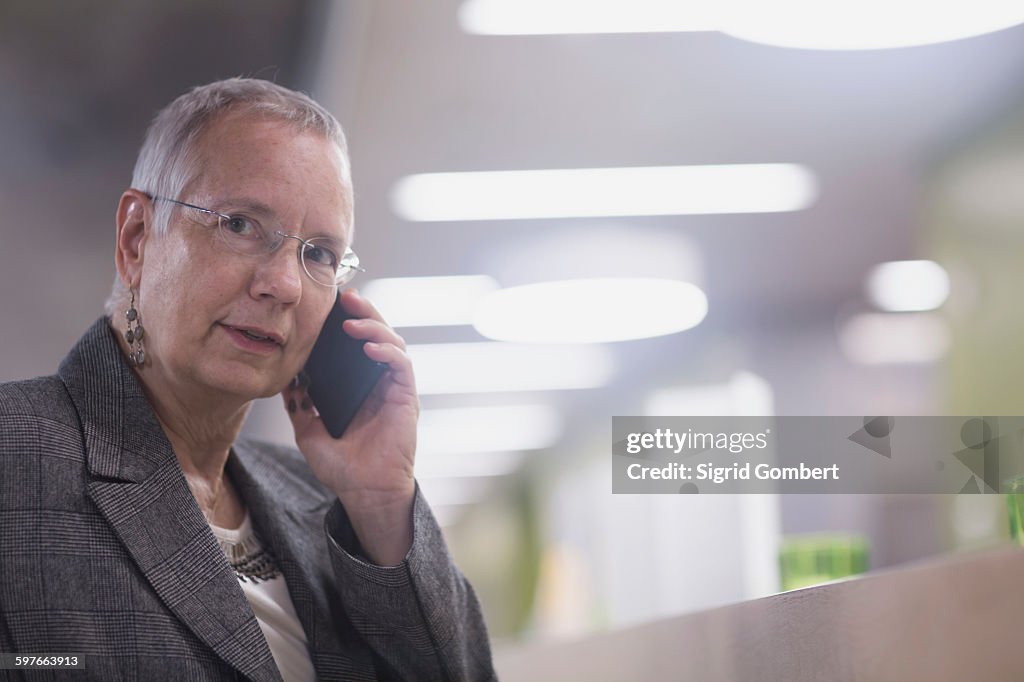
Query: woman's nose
[{"x": 279, "y": 275}]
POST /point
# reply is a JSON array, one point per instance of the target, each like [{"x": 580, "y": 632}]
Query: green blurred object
[
  {"x": 812, "y": 559},
  {"x": 1015, "y": 506}
]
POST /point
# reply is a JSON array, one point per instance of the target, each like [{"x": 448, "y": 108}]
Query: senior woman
[{"x": 138, "y": 532}]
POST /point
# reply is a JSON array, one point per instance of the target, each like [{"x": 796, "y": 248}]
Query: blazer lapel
[
  {"x": 288, "y": 515},
  {"x": 140, "y": 490}
]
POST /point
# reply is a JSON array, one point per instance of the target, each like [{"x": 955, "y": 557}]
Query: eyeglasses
[{"x": 245, "y": 235}]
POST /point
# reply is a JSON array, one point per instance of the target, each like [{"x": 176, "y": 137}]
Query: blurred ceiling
[
  {"x": 429, "y": 97},
  {"x": 419, "y": 95},
  {"x": 416, "y": 94}
]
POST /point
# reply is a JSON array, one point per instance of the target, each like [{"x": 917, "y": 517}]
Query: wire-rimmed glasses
[{"x": 247, "y": 236}]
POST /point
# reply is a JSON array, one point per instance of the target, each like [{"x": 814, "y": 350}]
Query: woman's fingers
[
  {"x": 397, "y": 360},
  {"x": 382, "y": 344},
  {"x": 300, "y": 407},
  {"x": 354, "y": 304},
  {"x": 368, "y": 329},
  {"x": 368, "y": 324}
]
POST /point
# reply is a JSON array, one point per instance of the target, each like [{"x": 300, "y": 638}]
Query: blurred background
[{"x": 791, "y": 229}]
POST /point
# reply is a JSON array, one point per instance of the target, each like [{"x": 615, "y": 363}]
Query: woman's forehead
[
  {"x": 270, "y": 167},
  {"x": 270, "y": 150}
]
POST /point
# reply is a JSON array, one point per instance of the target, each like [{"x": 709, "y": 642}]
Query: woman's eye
[
  {"x": 240, "y": 226},
  {"x": 320, "y": 255}
]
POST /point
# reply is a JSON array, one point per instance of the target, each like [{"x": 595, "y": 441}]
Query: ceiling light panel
[
  {"x": 909, "y": 285},
  {"x": 806, "y": 24},
  {"x": 603, "y": 192},
  {"x": 486, "y": 367},
  {"x": 538, "y": 17},
  {"x": 474, "y": 430},
  {"x": 591, "y": 310},
  {"x": 428, "y": 301},
  {"x": 895, "y": 338}
]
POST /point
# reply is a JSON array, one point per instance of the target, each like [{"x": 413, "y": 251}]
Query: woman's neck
[
  {"x": 202, "y": 452},
  {"x": 201, "y": 426}
]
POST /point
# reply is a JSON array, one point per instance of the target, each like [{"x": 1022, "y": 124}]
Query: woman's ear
[{"x": 134, "y": 225}]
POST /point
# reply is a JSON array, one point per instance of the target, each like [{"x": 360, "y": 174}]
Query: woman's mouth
[{"x": 253, "y": 339}]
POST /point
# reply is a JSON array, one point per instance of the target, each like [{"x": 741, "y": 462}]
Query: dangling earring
[{"x": 134, "y": 335}]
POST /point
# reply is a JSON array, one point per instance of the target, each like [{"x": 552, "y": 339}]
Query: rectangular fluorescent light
[
  {"x": 428, "y": 301},
  {"x": 551, "y": 17},
  {"x": 485, "y": 429},
  {"x": 467, "y": 465},
  {"x": 490, "y": 367},
  {"x": 448, "y": 515},
  {"x": 894, "y": 338},
  {"x": 442, "y": 492},
  {"x": 601, "y": 192},
  {"x": 745, "y": 393}
]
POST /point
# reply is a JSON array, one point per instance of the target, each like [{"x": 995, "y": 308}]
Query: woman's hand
[{"x": 370, "y": 468}]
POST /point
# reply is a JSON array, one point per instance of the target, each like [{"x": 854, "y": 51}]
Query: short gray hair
[{"x": 169, "y": 158}]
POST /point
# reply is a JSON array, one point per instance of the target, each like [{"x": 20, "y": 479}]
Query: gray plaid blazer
[{"x": 105, "y": 553}]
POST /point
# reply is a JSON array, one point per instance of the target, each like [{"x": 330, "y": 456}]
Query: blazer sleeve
[{"x": 420, "y": 617}]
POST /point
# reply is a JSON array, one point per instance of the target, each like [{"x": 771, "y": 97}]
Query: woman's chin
[{"x": 248, "y": 383}]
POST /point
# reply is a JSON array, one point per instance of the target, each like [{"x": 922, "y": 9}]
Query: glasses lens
[
  {"x": 319, "y": 257},
  {"x": 348, "y": 268},
  {"x": 321, "y": 261},
  {"x": 243, "y": 234}
]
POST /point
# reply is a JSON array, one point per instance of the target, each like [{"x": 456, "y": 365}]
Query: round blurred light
[
  {"x": 486, "y": 428},
  {"x": 895, "y": 338},
  {"x": 428, "y": 301},
  {"x": 489, "y": 367},
  {"x": 590, "y": 310},
  {"x": 908, "y": 285}
]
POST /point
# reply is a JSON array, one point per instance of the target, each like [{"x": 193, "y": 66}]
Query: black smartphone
[{"x": 340, "y": 374}]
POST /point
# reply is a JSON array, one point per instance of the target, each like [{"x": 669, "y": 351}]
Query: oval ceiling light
[
  {"x": 744, "y": 394},
  {"x": 590, "y": 310},
  {"x": 866, "y": 24},
  {"x": 599, "y": 249},
  {"x": 489, "y": 367},
  {"x": 486, "y": 428},
  {"x": 553, "y": 17},
  {"x": 894, "y": 338},
  {"x": 808, "y": 24},
  {"x": 601, "y": 192},
  {"x": 908, "y": 285},
  {"x": 428, "y": 301}
]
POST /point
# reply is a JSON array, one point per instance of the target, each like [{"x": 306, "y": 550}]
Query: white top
[{"x": 265, "y": 588}]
